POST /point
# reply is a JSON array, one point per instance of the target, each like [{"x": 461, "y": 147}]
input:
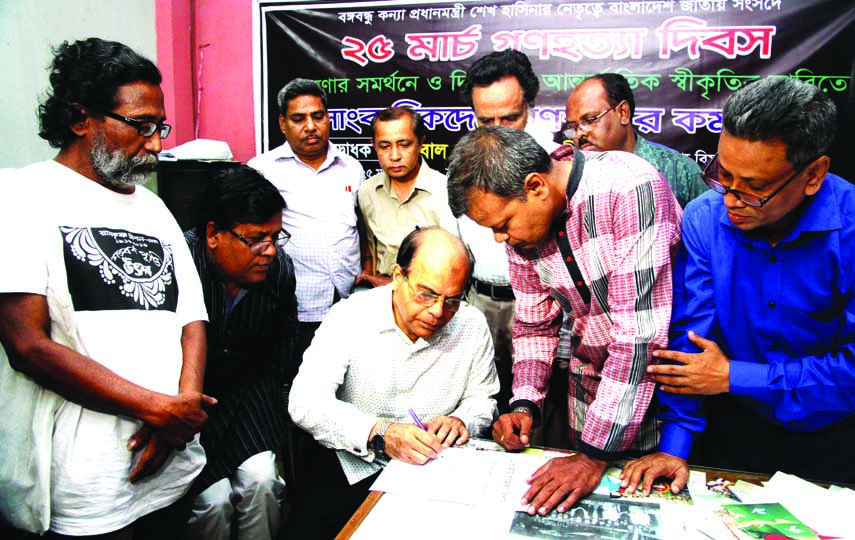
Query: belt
[{"x": 496, "y": 292}]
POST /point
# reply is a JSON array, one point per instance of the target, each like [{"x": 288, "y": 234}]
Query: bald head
[{"x": 434, "y": 245}]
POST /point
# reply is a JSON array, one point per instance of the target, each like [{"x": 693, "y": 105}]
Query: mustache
[{"x": 148, "y": 161}]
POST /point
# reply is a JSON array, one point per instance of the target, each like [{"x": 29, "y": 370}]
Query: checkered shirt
[{"x": 623, "y": 226}]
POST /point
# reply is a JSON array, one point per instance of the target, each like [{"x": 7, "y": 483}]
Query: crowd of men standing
[{"x": 541, "y": 292}]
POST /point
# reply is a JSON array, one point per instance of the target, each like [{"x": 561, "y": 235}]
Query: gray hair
[
  {"x": 778, "y": 108},
  {"x": 495, "y": 159},
  {"x": 299, "y": 87}
]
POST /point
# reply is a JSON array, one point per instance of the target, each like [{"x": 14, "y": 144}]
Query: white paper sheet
[
  {"x": 397, "y": 516},
  {"x": 464, "y": 475}
]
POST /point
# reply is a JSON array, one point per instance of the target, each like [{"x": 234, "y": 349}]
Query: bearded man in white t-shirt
[{"x": 102, "y": 320}]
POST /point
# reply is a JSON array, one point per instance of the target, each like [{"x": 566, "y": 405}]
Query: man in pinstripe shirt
[
  {"x": 592, "y": 237},
  {"x": 248, "y": 284}
]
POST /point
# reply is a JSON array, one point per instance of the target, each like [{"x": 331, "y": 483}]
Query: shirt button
[
  {"x": 569, "y": 259},
  {"x": 560, "y": 233},
  {"x": 772, "y": 305},
  {"x": 774, "y": 346},
  {"x": 772, "y": 258}
]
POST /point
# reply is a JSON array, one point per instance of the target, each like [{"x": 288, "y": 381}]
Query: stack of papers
[{"x": 475, "y": 493}]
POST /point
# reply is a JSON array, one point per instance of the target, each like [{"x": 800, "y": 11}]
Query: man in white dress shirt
[
  {"x": 319, "y": 182},
  {"x": 501, "y": 88},
  {"x": 412, "y": 344}
]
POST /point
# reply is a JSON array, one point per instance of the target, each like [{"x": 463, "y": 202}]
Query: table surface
[{"x": 374, "y": 496}]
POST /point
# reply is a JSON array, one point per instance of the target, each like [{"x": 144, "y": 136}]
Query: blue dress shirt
[{"x": 783, "y": 315}]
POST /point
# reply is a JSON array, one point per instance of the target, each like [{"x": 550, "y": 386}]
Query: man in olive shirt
[{"x": 407, "y": 194}]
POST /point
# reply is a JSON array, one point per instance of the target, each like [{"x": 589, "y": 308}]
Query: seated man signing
[
  {"x": 412, "y": 344},
  {"x": 248, "y": 283},
  {"x": 762, "y": 362}
]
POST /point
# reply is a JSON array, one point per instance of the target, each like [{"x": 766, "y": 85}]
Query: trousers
[{"x": 254, "y": 493}]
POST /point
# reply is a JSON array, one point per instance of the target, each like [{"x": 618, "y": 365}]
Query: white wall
[{"x": 28, "y": 30}]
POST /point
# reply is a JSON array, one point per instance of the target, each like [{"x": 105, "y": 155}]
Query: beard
[{"x": 115, "y": 168}]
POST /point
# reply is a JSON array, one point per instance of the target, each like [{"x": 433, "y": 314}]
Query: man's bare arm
[
  {"x": 194, "y": 349},
  {"x": 25, "y": 334}
]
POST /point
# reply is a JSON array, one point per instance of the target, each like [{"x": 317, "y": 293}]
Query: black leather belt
[{"x": 496, "y": 292}]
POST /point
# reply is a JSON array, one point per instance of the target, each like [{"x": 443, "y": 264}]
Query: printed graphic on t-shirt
[{"x": 113, "y": 269}]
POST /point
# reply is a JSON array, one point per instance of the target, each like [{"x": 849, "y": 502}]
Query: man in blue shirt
[{"x": 764, "y": 310}]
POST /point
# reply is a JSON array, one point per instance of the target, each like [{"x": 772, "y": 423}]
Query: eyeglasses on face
[
  {"x": 144, "y": 128},
  {"x": 428, "y": 299},
  {"x": 712, "y": 173},
  {"x": 569, "y": 130},
  {"x": 259, "y": 247}
]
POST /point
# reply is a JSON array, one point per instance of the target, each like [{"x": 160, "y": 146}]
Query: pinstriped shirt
[
  {"x": 623, "y": 225},
  {"x": 249, "y": 360},
  {"x": 321, "y": 214}
]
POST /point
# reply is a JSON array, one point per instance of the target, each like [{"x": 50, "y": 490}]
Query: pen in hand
[{"x": 416, "y": 420}]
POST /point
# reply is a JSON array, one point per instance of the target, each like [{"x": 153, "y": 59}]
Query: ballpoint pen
[{"x": 416, "y": 419}]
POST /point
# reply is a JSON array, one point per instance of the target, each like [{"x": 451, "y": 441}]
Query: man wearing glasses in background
[
  {"x": 760, "y": 375},
  {"x": 101, "y": 314},
  {"x": 599, "y": 118},
  {"x": 248, "y": 283},
  {"x": 413, "y": 345}
]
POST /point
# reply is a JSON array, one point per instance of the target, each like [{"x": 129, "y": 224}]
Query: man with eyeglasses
[
  {"x": 102, "y": 318},
  {"x": 599, "y": 118},
  {"x": 760, "y": 371},
  {"x": 413, "y": 345},
  {"x": 248, "y": 283},
  {"x": 591, "y": 241}
]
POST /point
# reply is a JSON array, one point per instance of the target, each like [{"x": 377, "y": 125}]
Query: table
[{"x": 374, "y": 497}]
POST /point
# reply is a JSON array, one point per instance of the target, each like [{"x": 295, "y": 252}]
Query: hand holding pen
[{"x": 416, "y": 419}]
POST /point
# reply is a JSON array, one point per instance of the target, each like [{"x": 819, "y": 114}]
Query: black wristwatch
[{"x": 377, "y": 444}]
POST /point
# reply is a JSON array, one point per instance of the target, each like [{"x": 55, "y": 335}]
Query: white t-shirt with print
[{"x": 120, "y": 286}]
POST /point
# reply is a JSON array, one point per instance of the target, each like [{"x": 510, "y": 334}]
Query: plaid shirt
[{"x": 623, "y": 225}]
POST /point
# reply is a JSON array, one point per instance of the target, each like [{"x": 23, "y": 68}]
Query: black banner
[{"x": 682, "y": 58}]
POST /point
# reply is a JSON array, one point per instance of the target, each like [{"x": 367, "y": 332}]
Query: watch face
[{"x": 378, "y": 445}]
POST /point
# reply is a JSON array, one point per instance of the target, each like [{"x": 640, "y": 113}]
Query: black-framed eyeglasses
[
  {"x": 428, "y": 299},
  {"x": 144, "y": 128},
  {"x": 711, "y": 174},
  {"x": 259, "y": 247},
  {"x": 569, "y": 130}
]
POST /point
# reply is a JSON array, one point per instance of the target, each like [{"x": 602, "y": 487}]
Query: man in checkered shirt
[{"x": 594, "y": 237}]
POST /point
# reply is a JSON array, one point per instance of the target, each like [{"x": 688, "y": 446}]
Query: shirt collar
[
  {"x": 285, "y": 152},
  {"x": 423, "y": 180}
]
